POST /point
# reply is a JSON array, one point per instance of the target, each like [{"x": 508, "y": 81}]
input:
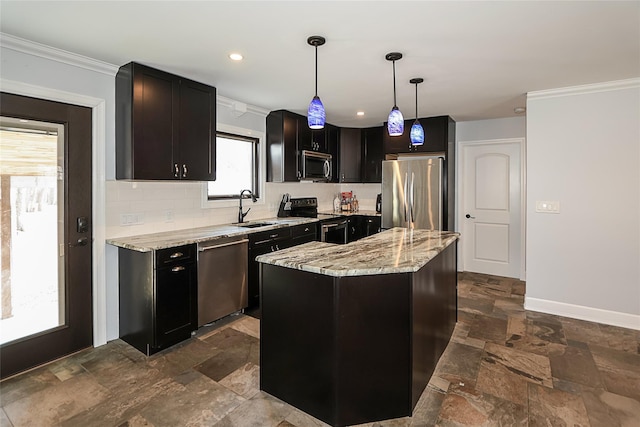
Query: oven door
[{"x": 335, "y": 231}]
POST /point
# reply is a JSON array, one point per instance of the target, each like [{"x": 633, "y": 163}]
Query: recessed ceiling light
[
  {"x": 360, "y": 113},
  {"x": 235, "y": 56}
]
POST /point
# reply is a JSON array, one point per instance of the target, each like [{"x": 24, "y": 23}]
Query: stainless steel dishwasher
[{"x": 222, "y": 277}]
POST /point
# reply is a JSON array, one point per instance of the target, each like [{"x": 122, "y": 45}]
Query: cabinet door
[
  {"x": 305, "y": 136},
  {"x": 155, "y": 101},
  {"x": 319, "y": 139},
  {"x": 435, "y": 137},
  {"x": 333, "y": 148},
  {"x": 282, "y": 149},
  {"x": 397, "y": 144},
  {"x": 371, "y": 225},
  {"x": 355, "y": 228},
  {"x": 175, "y": 303},
  {"x": 196, "y": 152},
  {"x": 350, "y": 155},
  {"x": 372, "y": 154}
]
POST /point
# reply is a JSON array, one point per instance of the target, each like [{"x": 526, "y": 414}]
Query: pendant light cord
[
  {"x": 395, "y": 104},
  {"x": 316, "y": 70},
  {"x": 416, "y": 101}
]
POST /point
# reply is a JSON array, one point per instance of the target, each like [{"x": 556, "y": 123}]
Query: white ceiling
[{"x": 478, "y": 58}]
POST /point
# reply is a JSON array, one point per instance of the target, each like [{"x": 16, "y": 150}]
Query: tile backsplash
[{"x": 141, "y": 207}]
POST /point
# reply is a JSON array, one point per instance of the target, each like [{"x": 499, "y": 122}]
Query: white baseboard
[{"x": 615, "y": 318}]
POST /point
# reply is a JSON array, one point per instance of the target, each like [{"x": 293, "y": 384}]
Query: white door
[{"x": 492, "y": 232}]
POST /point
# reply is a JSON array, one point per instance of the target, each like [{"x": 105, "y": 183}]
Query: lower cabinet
[
  {"x": 157, "y": 297},
  {"x": 265, "y": 242},
  {"x": 362, "y": 226}
]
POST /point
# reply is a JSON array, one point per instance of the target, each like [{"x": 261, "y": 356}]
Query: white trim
[
  {"x": 223, "y": 101},
  {"x": 585, "y": 89},
  {"x": 523, "y": 195},
  {"x": 591, "y": 314},
  {"x": 37, "y": 49},
  {"x": 98, "y": 190}
]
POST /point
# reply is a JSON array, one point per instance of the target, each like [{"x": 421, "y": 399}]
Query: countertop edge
[{"x": 326, "y": 253}]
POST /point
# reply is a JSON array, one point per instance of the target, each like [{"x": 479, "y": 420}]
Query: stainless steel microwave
[{"x": 316, "y": 166}]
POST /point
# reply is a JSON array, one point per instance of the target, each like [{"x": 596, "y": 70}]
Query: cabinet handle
[
  {"x": 176, "y": 255},
  {"x": 184, "y": 171},
  {"x": 176, "y": 170},
  {"x": 178, "y": 268}
]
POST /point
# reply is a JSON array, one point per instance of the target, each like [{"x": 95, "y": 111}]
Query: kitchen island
[{"x": 352, "y": 333}]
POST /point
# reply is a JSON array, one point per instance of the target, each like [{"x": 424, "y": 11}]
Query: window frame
[{"x": 259, "y": 165}]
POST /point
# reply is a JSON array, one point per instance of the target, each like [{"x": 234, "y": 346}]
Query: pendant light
[
  {"x": 417, "y": 132},
  {"x": 395, "y": 123},
  {"x": 316, "y": 115}
]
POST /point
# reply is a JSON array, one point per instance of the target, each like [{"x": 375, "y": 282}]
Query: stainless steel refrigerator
[{"x": 412, "y": 193}]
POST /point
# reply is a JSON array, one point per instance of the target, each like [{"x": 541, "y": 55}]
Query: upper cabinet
[
  {"x": 372, "y": 154},
  {"x": 165, "y": 126},
  {"x": 357, "y": 152},
  {"x": 350, "y": 158},
  {"x": 282, "y": 146},
  {"x": 438, "y": 132}
]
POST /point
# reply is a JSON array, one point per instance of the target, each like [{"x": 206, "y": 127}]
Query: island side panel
[
  {"x": 373, "y": 346},
  {"x": 297, "y": 350},
  {"x": 434, "y": 315}
]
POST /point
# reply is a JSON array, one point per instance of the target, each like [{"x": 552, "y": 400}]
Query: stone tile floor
[{"x": 504, "y": 366}]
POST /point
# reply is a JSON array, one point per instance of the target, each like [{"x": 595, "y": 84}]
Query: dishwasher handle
[{"x": 222, "y": 245}]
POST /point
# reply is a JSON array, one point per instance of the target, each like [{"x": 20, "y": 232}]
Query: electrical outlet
[
  {"x": 131, "y": 219},
  {"x": 168, "y": 216},
  {"x": 547, "y": 206}
]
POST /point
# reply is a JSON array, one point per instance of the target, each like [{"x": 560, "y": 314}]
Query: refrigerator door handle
[
  {"x": 412, "y": 193},
  {"x": 406, "y": 196}
]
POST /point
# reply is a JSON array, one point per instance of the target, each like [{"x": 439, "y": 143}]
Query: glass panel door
[{"x": 32, "y": 226}]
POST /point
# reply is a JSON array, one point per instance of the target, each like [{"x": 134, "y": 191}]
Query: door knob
[
  {"x": 82, "y": 241},
  {"x": 469, "y": 216}
]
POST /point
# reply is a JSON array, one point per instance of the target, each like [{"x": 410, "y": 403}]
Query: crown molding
[
  {"x": 240, "y": 107},
  {"x": 8, "y": 41},
  {"x": 585, "y": 89}
]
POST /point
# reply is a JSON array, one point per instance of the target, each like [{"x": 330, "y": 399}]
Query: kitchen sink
[{"x": 254, "y": 224}]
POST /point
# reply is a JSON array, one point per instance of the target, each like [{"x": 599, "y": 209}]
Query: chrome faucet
[{"x": 241, "y": 214}]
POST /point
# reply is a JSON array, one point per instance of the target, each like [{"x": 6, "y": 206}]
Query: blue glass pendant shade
[
  {"x": 395, "y": 123},
  {"x": 417, "y": 133},
  {"x": 316, "y": 115}
]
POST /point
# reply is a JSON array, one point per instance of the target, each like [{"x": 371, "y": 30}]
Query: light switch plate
[{"x": 547, "y": 206}]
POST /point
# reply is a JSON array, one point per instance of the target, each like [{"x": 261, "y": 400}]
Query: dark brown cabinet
[
  {"x": 350, "y": 159},
  {"x": 332, "y": 141},
  {"x": 372, "y": 154},
  {"x": 361, "y": 226},
  {"x": 282, "y": 147},
  {"x": 438, "y": 131},
  {"x": 165, "y": 126},
  {"x": 264, "y": 242},
  {"x": 157, "y": 297}
]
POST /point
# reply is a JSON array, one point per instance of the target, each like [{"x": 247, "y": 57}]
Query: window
[{"x": 236, "y": 166}]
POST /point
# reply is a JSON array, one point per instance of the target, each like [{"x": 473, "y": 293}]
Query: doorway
[
  {"x": 492, "y": 207},
  {"x": 45, "y": 195}
]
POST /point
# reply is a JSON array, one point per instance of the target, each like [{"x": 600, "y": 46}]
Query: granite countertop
[
  {"x": 397, "y": 250},
  {"x": 169, "y": 239}
]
